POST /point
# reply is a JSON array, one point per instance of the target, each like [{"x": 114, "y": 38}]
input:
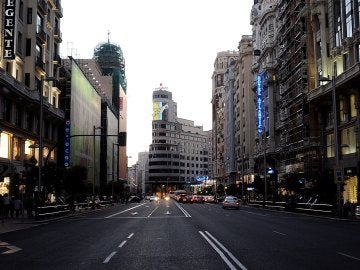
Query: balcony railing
[{"x": 41, "y": 36}]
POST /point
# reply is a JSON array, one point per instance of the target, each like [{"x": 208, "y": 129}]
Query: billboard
[
  {"x": 85, "y": 115},
  {"x": 160, "y": 110}
]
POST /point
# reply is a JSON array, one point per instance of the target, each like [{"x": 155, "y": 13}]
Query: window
[
  {"x": 4, "y": 145},
  {"x": 330, "y": 146},
  {"x": 27, "y": 79},
  {"x": 21, "y": 10},
  {"x": 38, "y": 52},
  {"x": 28, "y": 47},
  {"x": 348, "y": 141},
  {"x": 353, "y": 111},
  {"x": 16, "y": 148},
  {"x": 27, "y": 150},
  {"x": 349, "y": 20},
  {"x": 39, "y": 24},
  {"x": 18, "y": 116},
  {"x": 6, "y": 110},
  {"x": 29, "y": 121},
  {"x": 342, "y": 111},
  {"x": 29, "y": 16},
  {"x": 346, "y": 63},
  {"x": 19, "y": 43}
]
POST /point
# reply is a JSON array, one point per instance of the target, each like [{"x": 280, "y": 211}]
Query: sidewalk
[{"x": 12, "y": 224}]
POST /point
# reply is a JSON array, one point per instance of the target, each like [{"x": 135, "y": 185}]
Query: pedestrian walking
[
  {"x": 1, "y": 207},
  {"x": 18, "y": 206},
  {"x": 346, "y": 209},
  {"x": 12, "y": 208},
  {"x": 29, "y": 206},
  {"x": 6, "y": 202}
]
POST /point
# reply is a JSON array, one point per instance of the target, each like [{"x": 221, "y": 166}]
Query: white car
[
  {"x": 231, "y": 202},
  {"x": 153, "y": 198}
]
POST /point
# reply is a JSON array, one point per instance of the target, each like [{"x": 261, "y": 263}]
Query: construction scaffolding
[{"x": 292, "y": 76}]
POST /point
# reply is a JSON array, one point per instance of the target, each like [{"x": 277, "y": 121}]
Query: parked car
[
  {"x": 133, "y": 199},
  {"x": 231, "y": 202}
]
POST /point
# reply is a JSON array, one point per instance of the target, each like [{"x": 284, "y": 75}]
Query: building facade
[
  {"x": 178, "y": 155},
  {"x": 244, "y": 115},
  {"x": 333, "y": 96},
  {"x": 219, "y": 155},
  {"x": 29, "y": 67}
]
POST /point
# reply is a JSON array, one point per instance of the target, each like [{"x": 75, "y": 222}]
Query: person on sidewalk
[
  {"x": 18, "y": 206},
  {"x": 29, "y": 206},
  {"x": 6, "y": 203}
]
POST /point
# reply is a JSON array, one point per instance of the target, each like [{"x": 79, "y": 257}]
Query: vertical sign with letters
[
  {"x": 67, "y": 144},
  {"x": 9, "y": 29}
]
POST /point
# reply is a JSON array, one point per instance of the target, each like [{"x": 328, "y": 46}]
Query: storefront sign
[{"x": 9, "y": 30}]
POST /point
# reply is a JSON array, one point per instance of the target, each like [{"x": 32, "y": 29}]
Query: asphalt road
[{"x": 168, "y": 235}]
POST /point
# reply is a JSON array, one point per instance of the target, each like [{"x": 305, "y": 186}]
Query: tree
[{"x": 74, "y": 181}]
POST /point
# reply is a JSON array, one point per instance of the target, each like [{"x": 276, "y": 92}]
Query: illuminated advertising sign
[
  {"x": 259, "y": 103},
  {"x": 9, "y": 29},
  {"x": 201, "y": 178},
  {"x": 160, "y": 110},
  {"x": 67, "y": 144}
]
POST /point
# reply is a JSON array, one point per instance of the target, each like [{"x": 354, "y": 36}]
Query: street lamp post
[
  {"x": 337, "y": 169},
  {"x": 41, "y": 100},
  {"x": 94, "y": 163}
]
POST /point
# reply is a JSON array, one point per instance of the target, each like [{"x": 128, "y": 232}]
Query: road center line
[
  {"x": 122, "y": 244},
  {"x": 346, "y": 255},
  {"x": 109, "y": 257},
  {"x": 258, "y": 214},
  {"x": 131, "y": 235},
  {"x": 183, "y": 210},
  {"x": 222, "y": 255},
  {"x": 227, "y": 251},
  {"x": 125, "y": 210},
  {"x": 279, "y": 233}
]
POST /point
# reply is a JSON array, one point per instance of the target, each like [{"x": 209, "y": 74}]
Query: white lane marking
[
  {"x": 167, "y": 212},
  {"x": 183, "y": 210},
  {"x": 122, "y": 244},
  {"x": 109, "y": 257},
  {"x": 258, "y": 214},
  {"x": 11, "y": 249},
  {"x": 227, "y": 251},
  {"x": 131, "y": 235},
  {"x": 279, "y": 233},
  {"x": 346, "y": 255},
  {"x": 153, "y": 211},
  {"x": 222, "y": 255},
  {"x": 135, "y": 213},
  {"x": 125, "y": 211}
]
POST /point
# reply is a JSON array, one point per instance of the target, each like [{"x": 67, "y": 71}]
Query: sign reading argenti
[{"x": 9, "y": 30}]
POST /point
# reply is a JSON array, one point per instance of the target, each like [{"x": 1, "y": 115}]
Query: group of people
[{"x": 11, "y": 207}]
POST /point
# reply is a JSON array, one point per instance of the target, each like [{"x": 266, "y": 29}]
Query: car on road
[
  {"x": 197, "y": 199},
  {"x": 231, "y": 202},
  {"x": 209, "y": 198},
  {"x": 185, "y": 198},
  {"x": 154, "y": 198}
]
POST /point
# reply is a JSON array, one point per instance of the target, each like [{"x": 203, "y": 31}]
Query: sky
[{"x": 173, "y": 42}]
